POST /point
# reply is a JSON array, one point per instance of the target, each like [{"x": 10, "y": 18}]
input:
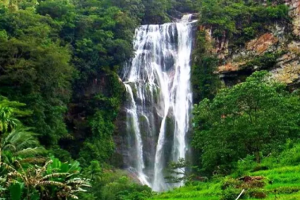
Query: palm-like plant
[
  {"x": 9, "y": 111},
  {"x": 22, "y": 143},
  {"x": 46, "y": 179},
  {"x": 7, "y": 119},
  {"x": 18, "y": 145}
]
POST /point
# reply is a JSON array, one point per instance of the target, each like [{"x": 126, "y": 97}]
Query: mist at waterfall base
[{"x": 159, "y": 100}]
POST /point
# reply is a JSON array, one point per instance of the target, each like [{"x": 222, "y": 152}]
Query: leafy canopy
[{"x": 254, "y": 117}]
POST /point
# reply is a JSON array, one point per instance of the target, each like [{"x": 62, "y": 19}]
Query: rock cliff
[{"x": 282, "y": 41}]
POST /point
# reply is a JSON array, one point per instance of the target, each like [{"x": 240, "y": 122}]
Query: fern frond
[
  {"x": 33, "y": 160},
  {"x": 44, "y": 168},
  {"x": 78, "y": 190},
  {"x": 78, "y": 182},
  {"x": 9, "y": 147},
  {"x": 31, "y": 151},
  {"x": 53, "y": 183},
  {"x": 8, "y": 167},
  {"x": 73, "y": 196},
  {"x": 55, "y": 175}
]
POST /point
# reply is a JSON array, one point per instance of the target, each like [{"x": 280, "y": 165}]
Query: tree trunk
[{"x": 257, "y": 156}]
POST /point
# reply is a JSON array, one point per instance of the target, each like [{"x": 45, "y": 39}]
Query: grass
[
  {"x": 283, "y": 183},
  {"x": 201, "y": 190},
  {"x": 281, "y": 180}
]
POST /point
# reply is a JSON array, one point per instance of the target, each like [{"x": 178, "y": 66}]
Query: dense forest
[{"x": 61, "y": 95}]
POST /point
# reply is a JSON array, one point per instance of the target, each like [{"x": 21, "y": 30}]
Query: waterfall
[{"x": 159, "y": 100}]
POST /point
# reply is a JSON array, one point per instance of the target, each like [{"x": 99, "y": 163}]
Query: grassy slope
[{"x": 283, "y": 184}]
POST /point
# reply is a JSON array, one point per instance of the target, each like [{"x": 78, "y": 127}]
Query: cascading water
[{"x": 159, "y": 99}]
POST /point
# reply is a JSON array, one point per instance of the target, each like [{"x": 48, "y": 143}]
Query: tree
[
  {"x": 254, "y": 117},
  {"x": 36, "y": 70},
  {"x": 177, "y": 171},
  {"x": 156, "y": 11}
]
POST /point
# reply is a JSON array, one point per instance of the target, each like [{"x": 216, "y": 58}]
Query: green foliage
[
  {"x": 9, "y": 111},
  {"x": 204, "y": 80},
  {"x": 95, "y": 173},
  {"x": 243, "y": 165},
  {"x": 3, "y": 35},
  {"x": 177, "y": 171},
  {"x": 21, "y": 172},
  {"x": 15, "y": 191},
  {"x": 254, "y": 117},
  {"x": 290, "y": 156},
  {"x": 36, "y": 70},
  {"x": 7, "y": 121},
  {"x": 56, "y": 9},
  {"x": 21, "y": 143},
  {"x": 156, "y": 11},
  {"x": 44, "y": 49},
  {"x": 52, "y": 180},
  {"x": 240, "y": 21},
  {"x": 279, "y": 183},
  {"x": 50, "y": 45},
  {"x": 161, "y": 11},
  {"x": 61, "y": 58},
  {"x": 263, "y": 62},
  {"x": 112, "y": 185},
  {"x": 124, "y": 189},
  {"x": 100, "y": 146},
  {"x": 230, "y": 193}
]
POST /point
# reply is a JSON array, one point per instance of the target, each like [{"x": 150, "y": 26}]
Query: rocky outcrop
[
  {"x": 217, "y": 46},
  {"x": 286, "y": 69},
  {"x": 295, "y": 14},
  {"x": 288, "y": 66},
  {"x": 262, "y": 44},
  {"x": 277, "y": 40},
  {"x": 268, "y": 42},
  {"x": 229, "y": 67}
]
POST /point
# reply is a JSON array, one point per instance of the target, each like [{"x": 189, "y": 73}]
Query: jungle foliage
[
  {"x": 60, "y": 93},
  {"x": 235, "y": 21},
  {"x": 61, "y": 59},
  {"x": 241, "y": 20},
  {"x": 252, "y": 118}
]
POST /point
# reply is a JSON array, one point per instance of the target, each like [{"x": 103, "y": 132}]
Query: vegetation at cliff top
[{"x": 240, "y": 21}]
